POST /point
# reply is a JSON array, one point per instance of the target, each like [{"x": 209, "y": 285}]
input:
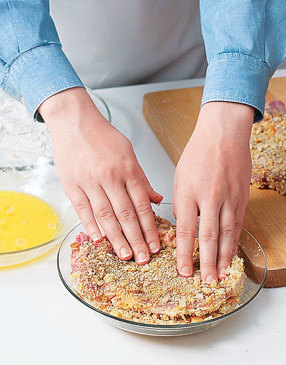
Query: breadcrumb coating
[
  {"x": 268, "y": 149},
  {"x": 152, "y": 293}
]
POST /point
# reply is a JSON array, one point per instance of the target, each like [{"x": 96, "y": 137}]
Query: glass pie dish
[
  {"x": 36, "y": 175},
  {"x": 255, "y": 269}
]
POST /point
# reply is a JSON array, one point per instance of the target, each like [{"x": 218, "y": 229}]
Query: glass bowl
[
  {"x": 36, "y": 175},
  {"x": 249, "y": 249}
]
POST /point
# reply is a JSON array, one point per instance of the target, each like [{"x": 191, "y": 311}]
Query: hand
[
  {"x": 212, "y": 179},
  {"x": 101, "y": 175}
]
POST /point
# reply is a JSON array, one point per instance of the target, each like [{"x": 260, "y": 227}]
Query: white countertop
[{"x": 41, "y": 323}]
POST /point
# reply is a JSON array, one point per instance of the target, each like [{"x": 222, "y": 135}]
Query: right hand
[{"x": 101, "y": 175}]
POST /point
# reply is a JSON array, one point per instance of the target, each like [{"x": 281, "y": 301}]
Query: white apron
[{"x": 123, "y": 42}]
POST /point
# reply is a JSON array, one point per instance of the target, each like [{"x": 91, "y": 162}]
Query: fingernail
[
  {"x": 125, "y": 253},
  {"x": 222, "y": 273},
  {"x": 160, "y": 197},
  {"x": 142, "y": 257},
  {"x": 210, "y": 279},
  {"x": 95, "y": 237},
  {"x": 154, "y": 247},
  {"x": 186, "y": 271}
]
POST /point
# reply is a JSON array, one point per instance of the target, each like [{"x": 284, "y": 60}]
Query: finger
[
  {"x": 128, "y": 220},
  {"x": 152, "y": 194},
  {"x": 175, "y": 209},
  {"x": 239, "y": 215},
  {"x": 208, "y": 241},
  {"x": 84, "y": 210},
  {"x": 154, "y": 197},
  {"x": 226, "y": 239},
  {"x": 185, "y": 234},
  {"x": 104, "y": 213},
  {"x": 144, "y": 212}
]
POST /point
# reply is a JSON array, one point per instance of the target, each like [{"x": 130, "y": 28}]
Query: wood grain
[{"x": 172, "y": 115}]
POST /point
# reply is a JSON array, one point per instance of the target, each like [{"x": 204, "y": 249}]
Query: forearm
[
  {"x": 32, "y": 63},
  {"x": 244, "y": 44}
]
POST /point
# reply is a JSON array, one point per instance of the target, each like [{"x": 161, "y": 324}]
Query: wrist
[
  {"x": 68, "y": 106},
  {"x": 223, "y": 110},
  {"x": 224, "y": 124},
  {"x": 226, "y": 118},
  {"x": 71, "y": 112}
]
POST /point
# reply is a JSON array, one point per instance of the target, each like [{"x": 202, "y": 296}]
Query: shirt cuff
[
  {"x": 40, "y": 73},
  {"x": 238, "y": 78}
]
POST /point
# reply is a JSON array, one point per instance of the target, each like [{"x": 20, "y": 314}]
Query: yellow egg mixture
[{"x": 25, "y": 221}]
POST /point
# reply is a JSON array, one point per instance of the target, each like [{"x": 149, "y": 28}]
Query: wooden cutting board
[{"x": 172, "y": 115}]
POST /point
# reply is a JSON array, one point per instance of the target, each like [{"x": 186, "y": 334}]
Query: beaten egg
[{"x": 25, "y": 221}]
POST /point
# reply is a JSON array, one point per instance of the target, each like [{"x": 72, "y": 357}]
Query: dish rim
[
  {"x": 58, "y": 237},
  {"x": 160, "y": 326}
]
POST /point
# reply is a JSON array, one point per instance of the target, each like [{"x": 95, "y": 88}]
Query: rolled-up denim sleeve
[
  {"x": 33, "y": 65},
  {"x": 245, "y": 41}
]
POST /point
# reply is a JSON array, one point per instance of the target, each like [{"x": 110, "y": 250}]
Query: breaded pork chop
[
  {"x": 268, "y": 149},
  {"x": 152, "y": 293}
]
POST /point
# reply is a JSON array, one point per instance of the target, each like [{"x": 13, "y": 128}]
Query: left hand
[{"x": 212, "y": 180}]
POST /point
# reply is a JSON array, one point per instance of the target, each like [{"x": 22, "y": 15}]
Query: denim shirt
[{"x": 245, "y": 41}]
